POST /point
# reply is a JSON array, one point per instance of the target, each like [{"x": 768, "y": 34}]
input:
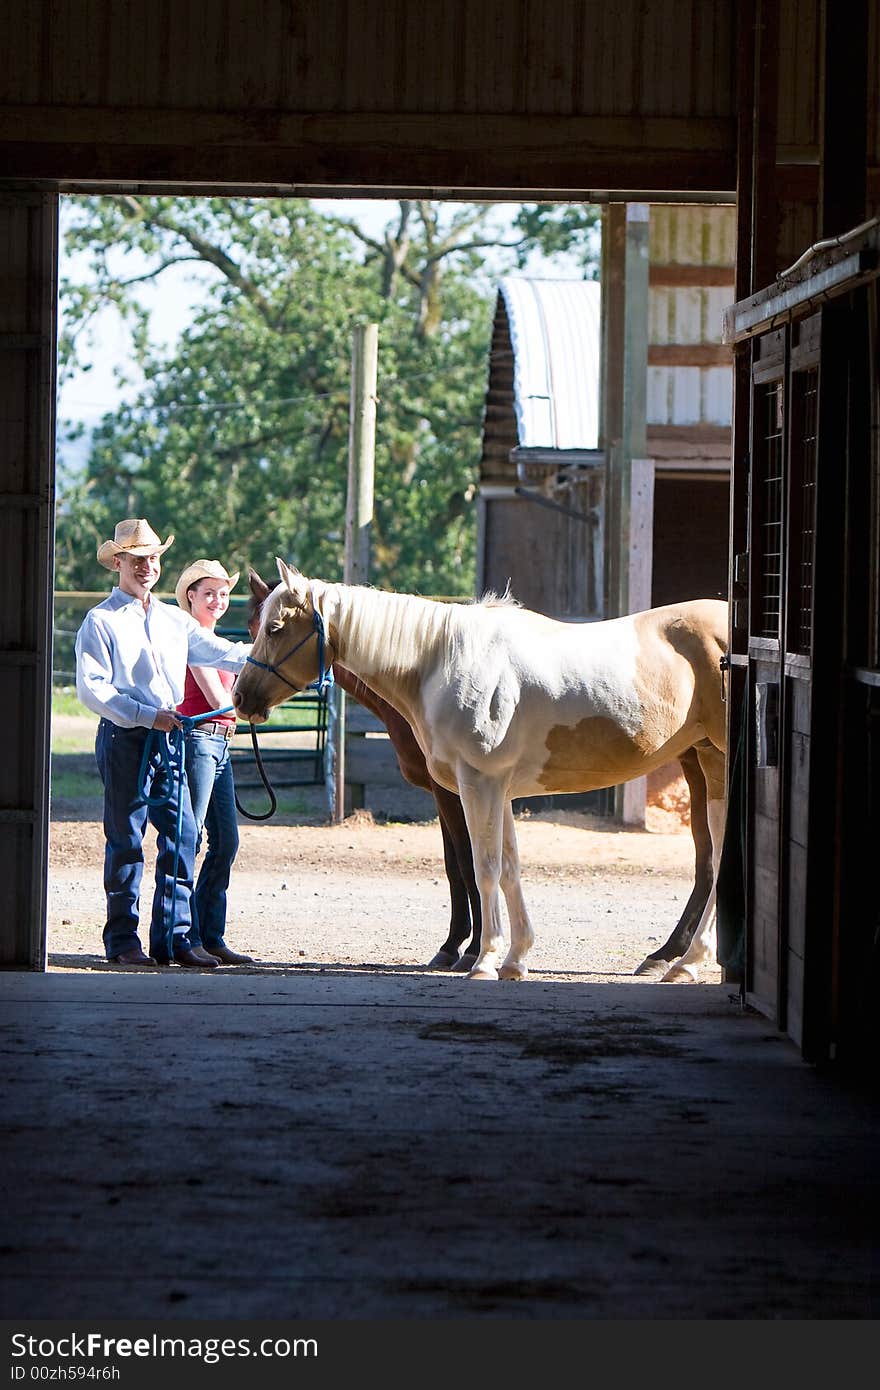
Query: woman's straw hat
[
  {"x": 201, "y": 569},
  {"x": 133, "y": 537}
]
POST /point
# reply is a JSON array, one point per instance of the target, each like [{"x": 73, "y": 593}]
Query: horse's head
[{"x": 289, "y": 646}]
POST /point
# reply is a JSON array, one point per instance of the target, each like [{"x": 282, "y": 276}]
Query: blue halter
[{"x": 325, "y": 673}]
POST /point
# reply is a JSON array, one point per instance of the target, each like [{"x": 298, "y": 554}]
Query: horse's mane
[
  {"x": 490, "y": 599},
  {"x": 393, "y": 632},
  {"x": 396, "y": 631}
]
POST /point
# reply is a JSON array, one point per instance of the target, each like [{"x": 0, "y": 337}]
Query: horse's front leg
[
  {"x": 521, "y": 934},
  {"x": 483, "y": 802}
]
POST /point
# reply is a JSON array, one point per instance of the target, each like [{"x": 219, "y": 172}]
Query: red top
[{"x": 196, "y": 702}]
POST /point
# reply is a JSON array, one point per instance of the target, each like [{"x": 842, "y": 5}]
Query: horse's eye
[{"x": 276, "y": 627}]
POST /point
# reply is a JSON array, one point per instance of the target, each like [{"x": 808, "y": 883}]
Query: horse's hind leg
[
  {"x": 463, "y": 892},
  {"x": 659, "y": 961},
  {"x": 702, "y": 947},
  {"x": 521, "y": 933}
]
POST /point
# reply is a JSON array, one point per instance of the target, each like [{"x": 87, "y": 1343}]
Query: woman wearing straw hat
[
  {"x": 132, "y": 653},
  {"x": 203, "y": 591}
]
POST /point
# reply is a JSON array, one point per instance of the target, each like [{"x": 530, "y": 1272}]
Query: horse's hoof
[
  {"x": 680, "y": 975},
  {"x": 483, "y": 972},
  {"x": 444, "y": 960},
  {"x": 513, "y": 972},
  {"x": 465, "y": 963},
  {"x": 653, "y": 969}
]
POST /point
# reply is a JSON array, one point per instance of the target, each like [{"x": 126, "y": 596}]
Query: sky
[{"x": 90, "y": 394}]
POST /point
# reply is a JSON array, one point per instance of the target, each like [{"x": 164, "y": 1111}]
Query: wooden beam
[
  {"x": 580, "y": 154},
  {"x": 690, "y": 355},
  {"x": 685, "y": 276},
  {"x": 716, "y": 435}
]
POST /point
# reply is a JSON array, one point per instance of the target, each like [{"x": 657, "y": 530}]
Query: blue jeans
[
  {"x": 118, "y": 753},
  {"x": 212, "y": 792}
]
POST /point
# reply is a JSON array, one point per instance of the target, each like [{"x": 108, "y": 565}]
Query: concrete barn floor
[{"x": 389, "y": 1144}]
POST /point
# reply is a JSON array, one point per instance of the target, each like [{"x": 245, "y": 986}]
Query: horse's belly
[{"x": 597, "y": 752}]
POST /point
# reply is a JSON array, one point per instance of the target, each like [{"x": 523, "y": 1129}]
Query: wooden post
[
  {"x": 361, "y": 453},
  {"x": 611, "y": 438},
  {"x": 359, "y": 506},
  {"x": 633, "y": 524}
]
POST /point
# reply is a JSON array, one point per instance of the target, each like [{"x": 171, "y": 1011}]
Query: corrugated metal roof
[{"x": 554, "y": 331}]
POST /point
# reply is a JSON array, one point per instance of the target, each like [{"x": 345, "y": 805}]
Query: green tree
[
  {"x": 238, "y": 441},
  {"x": 566, "y": 229}
]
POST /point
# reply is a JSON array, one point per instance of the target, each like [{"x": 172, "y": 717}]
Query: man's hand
[{"x": 166, "y": 719}]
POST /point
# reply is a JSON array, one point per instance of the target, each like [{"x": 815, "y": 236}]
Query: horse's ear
[
  {"x": 286, "y": 573},
  {"x": 258, "y": 586}
]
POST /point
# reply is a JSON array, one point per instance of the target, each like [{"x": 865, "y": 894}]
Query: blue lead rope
[{"x": 171, "y": 747}]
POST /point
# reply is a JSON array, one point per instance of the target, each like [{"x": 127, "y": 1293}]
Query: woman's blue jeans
[
  {"x": 118, "y": 753},
  {"x": 212, "y": 793}
]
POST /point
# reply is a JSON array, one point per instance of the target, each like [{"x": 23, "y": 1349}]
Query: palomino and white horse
[
  {"x": 505, "y": 702},
  {"x": 464, "y": 896}
]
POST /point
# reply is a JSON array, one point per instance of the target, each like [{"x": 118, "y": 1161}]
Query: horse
[
  {"x": 465, "y": 918},
  {"x": 505, "y": 702}
]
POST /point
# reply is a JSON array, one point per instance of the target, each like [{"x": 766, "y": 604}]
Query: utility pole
[
  {"x": 359, "y": 504},
  {"x": 361, "y": 453}
]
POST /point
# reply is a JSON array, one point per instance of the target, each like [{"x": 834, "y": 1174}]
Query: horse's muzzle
[{"x": 253, "y": 716}]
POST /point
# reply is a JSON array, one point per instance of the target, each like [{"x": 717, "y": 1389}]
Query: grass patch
[
  {"x": 299, "y": 713},
  {"x": 75, "y": 783},
  {"x": 65, "y": 702}
]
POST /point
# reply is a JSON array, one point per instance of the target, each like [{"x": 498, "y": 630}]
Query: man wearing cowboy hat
[{"x": 132, "y": 652}]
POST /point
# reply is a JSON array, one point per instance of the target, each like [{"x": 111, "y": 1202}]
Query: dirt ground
[{"x": 371, "y": 893}]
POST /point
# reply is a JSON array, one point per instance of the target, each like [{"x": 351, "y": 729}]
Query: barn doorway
[{"x": 659, "y": 492}]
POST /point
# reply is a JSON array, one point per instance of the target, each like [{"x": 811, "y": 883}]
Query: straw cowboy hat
[
  {"x": 201, "y": 569},
  {"x": 134, "y": 537}
]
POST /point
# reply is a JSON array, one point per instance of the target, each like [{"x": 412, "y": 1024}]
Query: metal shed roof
[{"x": 555, "y": 335}]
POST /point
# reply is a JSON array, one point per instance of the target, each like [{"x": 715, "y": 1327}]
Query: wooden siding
[
  {"x": 553, "y": 560},
  {"x": 574, "y": 57},
  {"x": 690, "y": 370}
]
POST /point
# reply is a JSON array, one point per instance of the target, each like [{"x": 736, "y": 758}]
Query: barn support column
[
  {"x": 843, "y": 407},
  {"x": 756, "y": 263},
  {"x": 629, "y": 490},
  {"x": 28, "y": 292}
]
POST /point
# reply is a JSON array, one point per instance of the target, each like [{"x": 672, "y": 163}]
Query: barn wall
[
  {"x": 811, "y": 654},
  {"x": 366, "y": 94},
  {"x": 692, "y": 251},
  {"x": 689, "y": 398},
  {"x": 798, "y": 119},
  {"x": 28, "y": 287}
]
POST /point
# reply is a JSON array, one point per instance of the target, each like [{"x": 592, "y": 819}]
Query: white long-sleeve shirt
[{"x": 131, "y": 661}]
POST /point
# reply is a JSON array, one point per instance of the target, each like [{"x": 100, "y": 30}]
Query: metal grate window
[
  {"x": 805, "y": 401},
  {"x": 769, "y": 481}
]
